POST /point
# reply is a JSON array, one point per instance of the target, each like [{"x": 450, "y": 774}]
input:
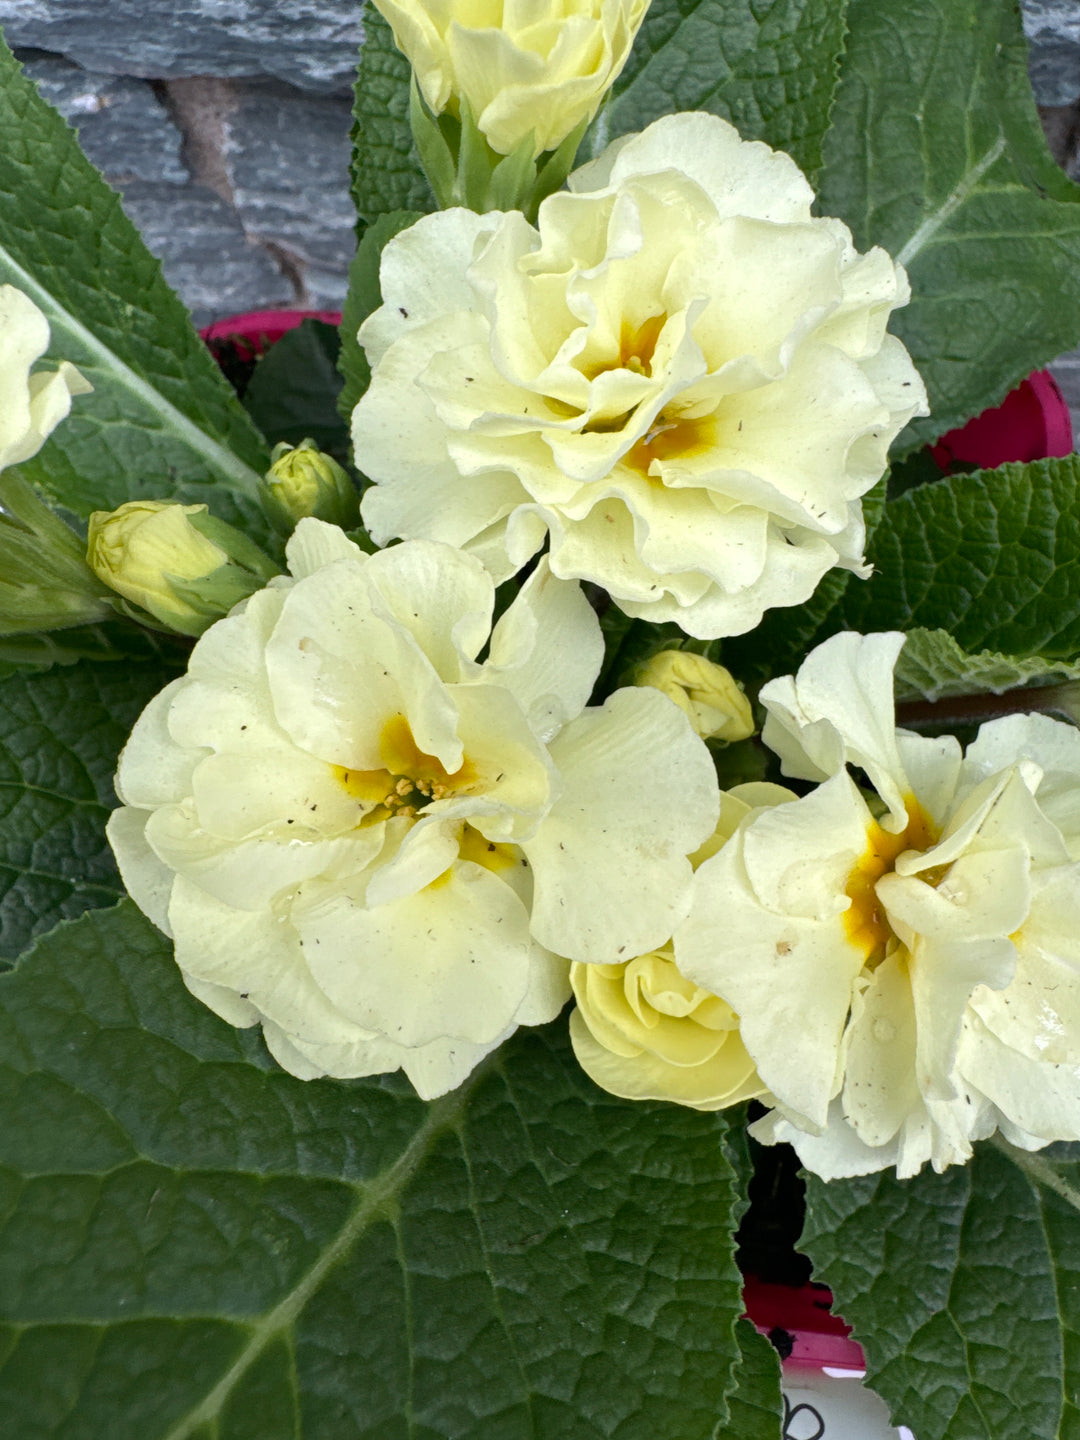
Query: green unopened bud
[
  {"x": 304, "y": 481},
  {"x": 178, "y": 563},
  {"x": 706, "y": 692}
]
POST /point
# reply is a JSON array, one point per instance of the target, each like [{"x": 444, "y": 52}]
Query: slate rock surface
[
  {"x": 1053, "y": 31},
  {"x": 308, "y": 43}
]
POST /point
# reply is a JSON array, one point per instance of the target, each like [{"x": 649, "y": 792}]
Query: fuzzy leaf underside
[
  {"x": 933, "y": 666},
  {"x": 195, "y": 1244},
  {"x": 162, "y": 422}
]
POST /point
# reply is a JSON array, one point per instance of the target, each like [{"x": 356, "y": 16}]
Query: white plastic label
[{"x": 824, "y": 1405}]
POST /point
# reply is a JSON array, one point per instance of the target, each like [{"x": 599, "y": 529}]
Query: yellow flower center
[
  {"x": 637, "y": 345},
  {"x": 409, "y": 779},
  {"x": 866, "y": 923},
  {"x": 672, "y": 438}
]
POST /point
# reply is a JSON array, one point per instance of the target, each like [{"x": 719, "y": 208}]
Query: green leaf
[
  {"x": 768, "y": 66},
  {"x": 932, "y": 665},
  {"x": 756, "y": 1408},
  {"x": 196, "y": 1244},
  {"x": 293, "y": 390},
  {"x": 364, "y": 296},
  {"x": 162, "y": 420},
  {"x": 386, "y": 170},
  {"x": 60, "y": 734},
  {"x": 992, "y": 557},
  {"x": 936, "y": 153},
  {"x": 964, "y": 1290}
]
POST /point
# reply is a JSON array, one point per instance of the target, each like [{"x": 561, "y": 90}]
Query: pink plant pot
[
  {"x": 257, "y": 330},
  {"x": 1031, "y": 423}
]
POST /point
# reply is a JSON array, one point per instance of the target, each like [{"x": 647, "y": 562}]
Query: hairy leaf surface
[
  {"x": 992, "y": 557},
  {"x": 60, "y": 734},
  {"x": 386, "y": 170},
  {"x": 964, "y": 1290},
  {"x": 768, "y": 66},
  {"x": 936, "y": 153},
  {"x": 195, "y": 1243}
]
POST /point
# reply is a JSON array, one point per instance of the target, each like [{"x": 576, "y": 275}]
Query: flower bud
[
  {"x": 535, "y": 77},
  {"x": 705, "y": 691},
  {"x": 177, "y": 562},
  {"x": 642, "y": 1031},
  {"x": 304, "y": 481}
]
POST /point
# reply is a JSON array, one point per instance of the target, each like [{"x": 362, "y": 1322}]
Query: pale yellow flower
[
  {"x": 379, "y": 846},
  {"x": 643, "y": 1031},
  {"x": 707, "y": 693},
  {"x": 32, "y": 404},
  {"x": 538, "y": 70},
  {"x": 680, "y": 381},
  {"x": 907, "y": 977}
]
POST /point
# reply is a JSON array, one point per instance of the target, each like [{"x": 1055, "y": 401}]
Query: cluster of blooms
[{"x": 392, "y": 831}]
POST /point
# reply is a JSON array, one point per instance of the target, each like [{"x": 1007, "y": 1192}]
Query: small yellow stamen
[
  {"x": 866, "y": 923},
  {"x": 409, "y": 775},
  {"x": 673, "y": 439}
]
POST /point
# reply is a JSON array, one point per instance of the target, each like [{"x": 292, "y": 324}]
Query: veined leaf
[
  {"x": 196, "y": 1244},
  {"x": 768, "y": 66},
  {"x": 386, "y": 170},
  {"x": 60, "y": 734},
  {"x": 755, "y": 1409},
  {"x": 162, "y": 421},
  {"x": 992, "y": 557},
  {"x": 964, "y": 1290},
  {"x": 936, "y": 153}
]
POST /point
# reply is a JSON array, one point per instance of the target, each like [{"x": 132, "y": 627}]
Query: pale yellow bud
[
  {"x": 703, "y": 690},
  {"x": 304, "y": 481},
  {"x": 177, "y": 562},
  {"x": 536, "y": 71},
  {"x": 644, "y": 1032}
]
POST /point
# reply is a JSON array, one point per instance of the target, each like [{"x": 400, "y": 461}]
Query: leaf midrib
[
  {"x": 219, "y": 457},
  {"x": 373, "y": 1196}
]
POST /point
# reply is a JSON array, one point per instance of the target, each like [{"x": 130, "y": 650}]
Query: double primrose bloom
[
  {"x": 904, "y": 962},
  {"x": 380, "y": 846},
  {"x": 680, "y": 379}
]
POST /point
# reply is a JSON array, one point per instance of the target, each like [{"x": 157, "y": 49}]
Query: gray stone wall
[{"x": 224, "y": 125}]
